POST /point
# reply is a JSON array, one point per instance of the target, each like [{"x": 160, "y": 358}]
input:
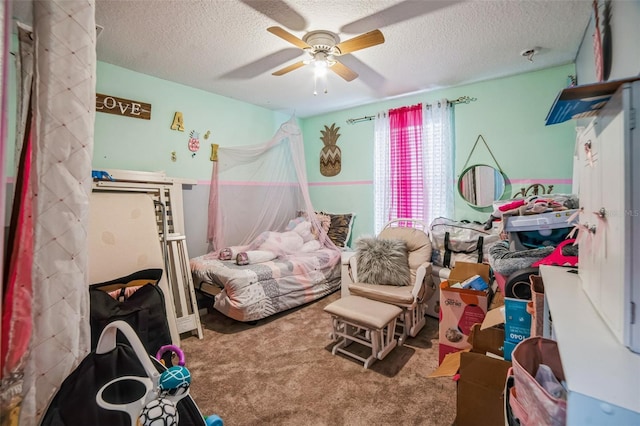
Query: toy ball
[
  {"x": 159, "y": 412},
  {"x": 174, "y": 381},
  {"x": 213, "y": 420}
]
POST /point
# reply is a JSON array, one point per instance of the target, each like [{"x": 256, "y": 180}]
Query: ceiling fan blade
[
  {"x": 289, "y": 68},
  {"x": 362, "y": 41},
  {"x": 397, "y": 13},
  {"x": 262, "y": 65},
  {"x": 366, "y": 74},
  {"x": 344, "y": 71},
  {"x": 280, "y": 12},
  {"x": 285, "y": 35}
]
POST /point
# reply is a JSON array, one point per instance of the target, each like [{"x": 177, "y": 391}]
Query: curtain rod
[{"x": 460, "y": 100}]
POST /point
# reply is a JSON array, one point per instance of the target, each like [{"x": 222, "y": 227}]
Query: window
[{"x": 413, "y": 164}]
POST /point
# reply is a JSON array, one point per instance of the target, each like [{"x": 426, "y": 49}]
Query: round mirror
[{"x": 480, "y": 185}]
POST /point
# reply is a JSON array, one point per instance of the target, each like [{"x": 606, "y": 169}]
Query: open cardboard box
[
  {"x": 480, "y": 396},
  {"x": 480, "y": 393},
  {"x": 461, "y": 308},
  {"x": 517, "y": 323},
  {"x": 487, "y": 342}
]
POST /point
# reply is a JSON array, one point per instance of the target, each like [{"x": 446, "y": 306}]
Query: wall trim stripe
[
  {"x": 256, "y": 183},
  {"x": 352, "y": 182},
  {"x": 555, "y": 181},
  {"x": 543, "y": 181}
]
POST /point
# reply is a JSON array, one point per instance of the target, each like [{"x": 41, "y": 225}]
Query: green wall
[
  {"x": 509, "y": 113},
  {"x": 136, "y": 144}
]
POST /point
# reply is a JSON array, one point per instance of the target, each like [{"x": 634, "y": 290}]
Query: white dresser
[{"x": 593, "y": 309}]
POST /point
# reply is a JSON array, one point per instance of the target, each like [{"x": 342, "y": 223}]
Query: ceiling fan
[{"x": 323, "y": 48}]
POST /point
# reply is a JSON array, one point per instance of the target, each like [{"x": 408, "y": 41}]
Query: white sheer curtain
[
  {"x": 439, "y": 179},
  {"x": 439, "y": 160},
  {"x": 381, "y": 158}
]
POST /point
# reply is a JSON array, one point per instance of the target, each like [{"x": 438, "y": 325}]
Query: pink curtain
[
  {"x": 16, "y": 315},
  {"x": 406, "y": 178},
  {"x": 18, "y": 260}
]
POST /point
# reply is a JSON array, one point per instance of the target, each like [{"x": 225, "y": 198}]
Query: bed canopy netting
[
  {"x": 259, "y": 188},
  {"x": 260, "y": 214}
]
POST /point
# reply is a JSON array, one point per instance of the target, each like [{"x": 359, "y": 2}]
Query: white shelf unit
[
  {"x": 602, "y": 375},
  {"x": 167, "y": 192}
]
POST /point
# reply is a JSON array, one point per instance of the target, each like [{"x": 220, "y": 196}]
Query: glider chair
[{"x": 379, "y": 271}]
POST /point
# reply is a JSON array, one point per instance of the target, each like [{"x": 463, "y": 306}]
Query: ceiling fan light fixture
[
  {"x": 322, "y": 47},
  {"x": 321, "y": 63},
  {"x": 320, "y": 68},
  {"x": 321, "y": 40}
]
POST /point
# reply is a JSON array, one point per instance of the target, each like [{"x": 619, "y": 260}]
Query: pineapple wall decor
[{"x": 330, "y": 156}]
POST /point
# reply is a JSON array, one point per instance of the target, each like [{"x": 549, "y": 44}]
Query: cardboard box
[
  {"x": 488, "y": 342},
  {"x": 480, "y": 393},
  {"x": 482, "y": 378},
  {"x": 508, "y": 349},
  {"x": 460, "y": 308},
  {"x": 517, "y": 323}
]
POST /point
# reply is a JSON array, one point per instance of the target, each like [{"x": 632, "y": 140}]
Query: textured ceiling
[{"x": 222, "y": 46}]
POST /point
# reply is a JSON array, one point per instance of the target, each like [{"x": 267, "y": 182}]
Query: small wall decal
[
  {"x": 174, "y": 156},
  {"x": 178, "y": 122},
  {"x": 206, "y": 135},
  {"x": 194, "y": 142}
]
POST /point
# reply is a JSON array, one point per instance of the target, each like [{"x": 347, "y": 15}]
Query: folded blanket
[
  {"x": 506, "y": 262},
  {"x": 254, "y": 256}
]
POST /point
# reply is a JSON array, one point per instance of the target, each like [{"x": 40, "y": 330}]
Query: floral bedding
[{"x": 255, "y": 291}]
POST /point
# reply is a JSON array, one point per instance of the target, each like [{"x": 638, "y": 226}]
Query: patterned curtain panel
[{"x": 64, "y": 112}]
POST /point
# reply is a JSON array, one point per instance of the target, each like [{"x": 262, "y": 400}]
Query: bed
[
  {"x": 258, "y": 193},
  {"x": 255, "y": 291}
]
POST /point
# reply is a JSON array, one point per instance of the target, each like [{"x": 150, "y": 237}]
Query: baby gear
[{"x": 119, "y": 384}]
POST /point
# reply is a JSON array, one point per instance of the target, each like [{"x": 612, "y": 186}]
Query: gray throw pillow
[{"x": 382, "y": 261}]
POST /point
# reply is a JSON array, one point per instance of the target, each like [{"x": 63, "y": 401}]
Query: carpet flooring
[{"x": 280, "y": 371}]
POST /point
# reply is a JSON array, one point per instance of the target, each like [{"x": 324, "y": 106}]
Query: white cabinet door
[
  {"x": 608, "y": 203},
  {"x": 590, "y": 199},
  {"x": 610, "y": 230}
]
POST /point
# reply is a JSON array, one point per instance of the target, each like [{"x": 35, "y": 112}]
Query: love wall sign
[{"x": 121, "y": 106}]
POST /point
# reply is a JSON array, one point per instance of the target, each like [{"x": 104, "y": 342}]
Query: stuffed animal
[{"x": 271, "y": 244}]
